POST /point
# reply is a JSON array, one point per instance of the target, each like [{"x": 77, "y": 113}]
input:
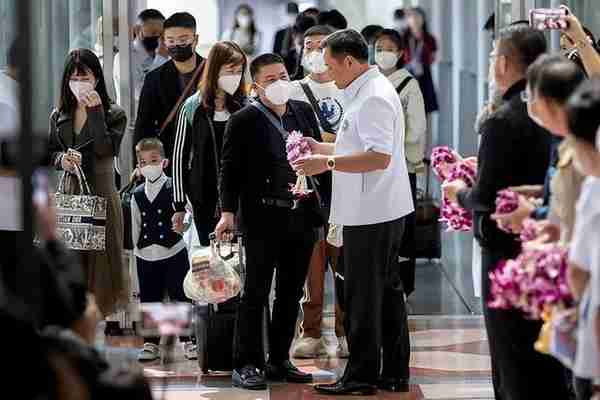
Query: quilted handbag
[{"x": 81, "y": 218}]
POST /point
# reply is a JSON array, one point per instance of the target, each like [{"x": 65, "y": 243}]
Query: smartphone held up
[{"x": 549, "y": 18}]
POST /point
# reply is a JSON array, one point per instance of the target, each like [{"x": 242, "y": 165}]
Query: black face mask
[
  {"x": 150, "y": 43},
  {"x": 181, "y": 53}
]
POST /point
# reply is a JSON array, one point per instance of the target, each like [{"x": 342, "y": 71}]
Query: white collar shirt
[
  {"x": 154, "y": 252},
  {"x": 373, "y": 121}
]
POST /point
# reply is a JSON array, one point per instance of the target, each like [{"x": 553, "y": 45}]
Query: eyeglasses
[
  {"x": 182, "y": 41},
  {"x": 527, "y": 97}
]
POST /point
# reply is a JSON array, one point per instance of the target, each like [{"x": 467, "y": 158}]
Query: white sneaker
[
  {"x": 190, "y": 351},
  {"x": 150, "y": 352},
  {"x": 308, "y": 347},
  {"x": 342, "y": 348}
]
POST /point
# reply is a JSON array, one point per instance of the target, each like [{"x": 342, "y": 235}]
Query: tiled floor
[{"x": 449, "y": 361}]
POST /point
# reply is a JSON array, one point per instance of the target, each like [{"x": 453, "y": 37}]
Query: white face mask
[
  {"x": 291, "y": 19},
  {"x": 278, "y": 92},
  {"x": 314, "y": 62},
  {"x": 230, "y": 83},
  {"x": 400, "y": 25},
  {"x": 386, "y": 59},
  {"x": 80, "y": 88},
  {"x": 152, "y": 172},
  {"x": 244, "y": 20}
]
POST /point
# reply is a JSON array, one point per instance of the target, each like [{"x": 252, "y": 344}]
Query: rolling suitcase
[{"x": 428, "y": 237}]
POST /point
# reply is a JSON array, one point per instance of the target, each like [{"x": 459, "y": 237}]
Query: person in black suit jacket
[
  {"x": 256, "y": 178},
  {"x": 165, "y": 85},
  {"x": 284, "y": 38},
  {"x": 514, "y": 151}
]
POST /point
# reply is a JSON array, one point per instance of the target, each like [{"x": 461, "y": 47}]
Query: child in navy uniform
[{"x": 161, "y": 253}]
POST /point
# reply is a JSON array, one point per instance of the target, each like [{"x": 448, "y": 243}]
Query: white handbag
[
  {"x": 213, "y": 277},
  {"x": 335, "y": 235}
]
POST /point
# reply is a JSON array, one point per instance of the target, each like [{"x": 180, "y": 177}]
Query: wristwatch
[{"x": 331, "y": 163}]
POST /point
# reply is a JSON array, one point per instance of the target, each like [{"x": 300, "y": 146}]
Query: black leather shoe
[
  {"x": 286, "y": 371},
  {"x": 393, "y": 385},
  {"x": 248, "y": 378},
  {"x": 347, "y": 389}
]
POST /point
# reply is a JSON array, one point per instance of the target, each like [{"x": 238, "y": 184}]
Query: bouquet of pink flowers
[
  {"x": 443, "y": 159},
  {"x": 506, "y": 203},
  {"x": 298, "y": 148},
  {"x": 449, "y": 166},
  {"x": 533, "y": 282},
  {"x": 530, "y": 230}
]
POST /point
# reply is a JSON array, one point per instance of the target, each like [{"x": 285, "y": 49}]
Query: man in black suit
[
  {"x": 164, "y": 86},
  {"x": 284, "y": 38},
  {"x": 514, "y": 151},
  {"x": 278, "y": 232}
]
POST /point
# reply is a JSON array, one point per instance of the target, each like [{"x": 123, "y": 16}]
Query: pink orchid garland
[
  {"x": 449, "y": 166},
  {"x": 533, "y": 282},
  {"x": 298, "y": 148}
]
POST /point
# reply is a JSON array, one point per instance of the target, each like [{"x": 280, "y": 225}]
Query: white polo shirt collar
[{"x": 352, "y": 90}]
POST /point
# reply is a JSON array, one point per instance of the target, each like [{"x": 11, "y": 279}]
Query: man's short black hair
[
  {"x": 181, "y": 20},
  {"x": 522, "y": 43},
  {"x": 555, "y": 77},
  {"x": 303, "y": 23},
  {"x": 292, "y": 8},
  {"x": 399, "y": 13},
  {"x": 12, "y": 56},
  {"x": 264, "y": 60},
  {"x": 150, "y": 14},
  {"x": 319, "y": 30},
  {"x": 583, "y": 111},
  {"x": 370, "y": 32},
  {"x": 347, "y": 42},
  {"x": 314, "y": 11},
  {"x": 333, "y": 18}
]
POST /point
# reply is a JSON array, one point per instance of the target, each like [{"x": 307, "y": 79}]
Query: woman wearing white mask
[
  {"x": 85, "y": 133},
  {"x": 200, "y": 127},
  {"x": 389, "y": 56},
  {"x": 244, "y": 31}
]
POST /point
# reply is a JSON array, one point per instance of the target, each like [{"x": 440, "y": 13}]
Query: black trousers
[
  {"x": 285, "y": 243},
  {"x": 375, "y": 310},
  {"x": 205, "y": 224},
  {"x": 10, "y": 259},
  {"x": 158, "y": 278},
  {"x": 518, "y": 371},
  {"x": 407, "y": 249}
]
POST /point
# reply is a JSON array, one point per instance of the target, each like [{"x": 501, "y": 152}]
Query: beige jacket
[
  {"x": 416, "y": 120},
  {"x": 565, "y": 187}
]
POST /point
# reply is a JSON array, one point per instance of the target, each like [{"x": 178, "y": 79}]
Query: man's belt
[{"x": 268, "y": 201}]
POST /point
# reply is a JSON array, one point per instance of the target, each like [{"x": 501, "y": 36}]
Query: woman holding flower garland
[
  {"x": 199, "y": 139},
  {"x": 583, "y": 110}
]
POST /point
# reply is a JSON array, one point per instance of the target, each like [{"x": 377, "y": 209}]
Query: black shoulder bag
[
  {"x": 315, "y": 105},
  {"x": 403, "y": 84},
  {"x": 314, "y": 204}
]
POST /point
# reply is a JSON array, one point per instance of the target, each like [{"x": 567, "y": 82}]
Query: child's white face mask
[{"x": 152, "y": 172}]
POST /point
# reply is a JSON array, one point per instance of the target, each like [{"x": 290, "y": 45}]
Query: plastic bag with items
[{"x": 214, "y": 277}]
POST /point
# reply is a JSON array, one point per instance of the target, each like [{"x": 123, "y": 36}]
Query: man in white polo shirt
[{"x": 371, "y": 197}]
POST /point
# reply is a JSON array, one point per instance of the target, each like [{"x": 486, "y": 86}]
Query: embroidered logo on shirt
[{"x": 332, "y": 110}]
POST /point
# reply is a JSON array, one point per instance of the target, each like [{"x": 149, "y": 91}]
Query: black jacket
[
  {"x": 246, "y": 160},
  {"x": 284, "y": 46},
  {"x": 514, "y": 151},
  {"x": 159, "y": 95},
  {"x": 192, "y": 140}
]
